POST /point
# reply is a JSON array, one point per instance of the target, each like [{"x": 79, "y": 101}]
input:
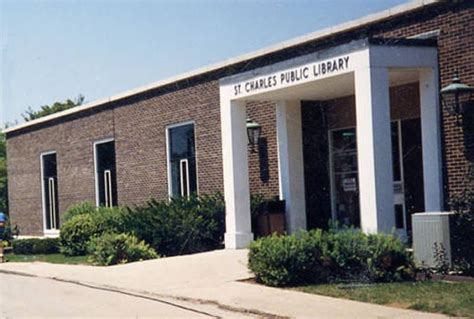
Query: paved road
[
  {"x": 26, "y": 297},
  {"x": 209, "y": 282}
]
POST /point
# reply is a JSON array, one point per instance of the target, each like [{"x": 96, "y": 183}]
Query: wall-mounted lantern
[
  {"x": 253, "y": 133},
  {"x": 457, "y": 97}
]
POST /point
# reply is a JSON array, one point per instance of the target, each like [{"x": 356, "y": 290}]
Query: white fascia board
[{"x": 344, "y": 27}]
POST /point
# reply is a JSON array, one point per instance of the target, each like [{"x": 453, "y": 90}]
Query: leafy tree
[{"x": 31, "y": 114}]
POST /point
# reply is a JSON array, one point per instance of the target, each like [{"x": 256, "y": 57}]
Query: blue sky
[{"x": 54, "y": 50}]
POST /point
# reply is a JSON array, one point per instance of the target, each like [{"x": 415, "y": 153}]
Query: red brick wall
[
  {"x": 140, "y": 131},
  {"x": 263, "y": 164},
  {"x": 73, "y": 143}
]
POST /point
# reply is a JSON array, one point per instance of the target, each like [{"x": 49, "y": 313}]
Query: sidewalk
[{"x": 210, "y": 278}]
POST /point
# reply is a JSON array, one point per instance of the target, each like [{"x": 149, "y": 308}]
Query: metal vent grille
[{"x": 430, "y": 229}]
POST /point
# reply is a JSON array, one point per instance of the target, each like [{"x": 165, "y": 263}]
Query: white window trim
[
  {"x": 168, "y": 166},
  {"x": 96, "y": 176},
  {"x": 187, "y": 177},
  {"x": 108, "y": 188},
  {"x": 46, "y": 232}
]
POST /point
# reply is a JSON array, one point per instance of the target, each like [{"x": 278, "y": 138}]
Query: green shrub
[
  {"x": 33, "y": 246},
  {"x": 77, "y": 231},
  {"x": 111, "y": 249},
  {"x": 180, "y": 226},
  {"x": 317, "y": 256},
  {"x": 388, "y": 259},
  {"x": 462, "y": 233},
  {"x": 8, "y": 231},
  {"x": 286, "y": 260},
  {"x": 78, "y": 209}
]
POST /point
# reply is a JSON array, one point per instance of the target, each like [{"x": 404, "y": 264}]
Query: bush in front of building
[
  {"x": 333, "y": 256},
  {"x": 111, "y": 249},
  {"x": 181, "y": 225},
  {"x": 462, "y": 233},
  {"x": 78, "y": 209},
  {"x": 288, "y": 260},
  {"x": 78, "y": 230},
  {"x": 35, "y": 246}
]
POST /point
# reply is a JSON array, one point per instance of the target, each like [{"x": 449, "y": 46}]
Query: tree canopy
[{"x": 44, "y": 110}]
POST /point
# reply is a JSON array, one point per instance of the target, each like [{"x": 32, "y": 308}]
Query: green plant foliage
[
  {"x": 44, "y": 110},
  {"x": 111, "y": 249},
  {"x": 318, "y": 256},
  {"x": 77, "y": 231},
  {"x": 8, "y": 232},
  {"x": 78, "y": 209},
  {"x": 32, "y": 246},
  {"x": 462, "y": 233},
  {"x": 180, "y": 226},
  {"x": 388, "y": 259},
  {"x": 285, "y": 260}
]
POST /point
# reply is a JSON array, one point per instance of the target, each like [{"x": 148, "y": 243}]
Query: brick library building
[{"x": 364, "y": 123}]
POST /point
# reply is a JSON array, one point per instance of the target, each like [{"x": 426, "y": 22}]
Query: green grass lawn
[
  {"x": 455, "y": 299},
  {"x": 51, "y": 258}
]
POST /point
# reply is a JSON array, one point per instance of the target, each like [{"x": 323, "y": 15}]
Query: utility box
[{"x": 431, "y": 230}]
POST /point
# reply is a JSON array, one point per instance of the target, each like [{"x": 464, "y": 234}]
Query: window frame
[
  {"x": 168, "y": 157},
  {"x": 53, "y": 232},
  {"x": 96, "y": 175}
]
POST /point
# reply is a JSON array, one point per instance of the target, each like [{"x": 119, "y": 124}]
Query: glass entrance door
[{"x": 344, "y": 177}]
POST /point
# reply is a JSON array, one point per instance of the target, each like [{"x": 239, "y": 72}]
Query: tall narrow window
[
  {"x": 50, "y": 191},
  {"x": 106, "y": 179},
  {"x": 182, "y": 160}
]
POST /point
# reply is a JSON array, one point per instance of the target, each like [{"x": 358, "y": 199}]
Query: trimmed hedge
[
  {"x": 110, "y": 249},
  {"x": 34, "y": 246},
  {"x": 319, "y": 257}
]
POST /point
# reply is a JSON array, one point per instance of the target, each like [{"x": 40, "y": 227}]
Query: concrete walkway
[{"x": 210, "y": 279}]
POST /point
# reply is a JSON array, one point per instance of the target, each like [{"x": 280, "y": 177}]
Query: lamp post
[
  {"x": 456, "y": 97},
  {"x": 253, "y": 133}
]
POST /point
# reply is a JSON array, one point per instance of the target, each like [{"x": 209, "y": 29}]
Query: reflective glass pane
[{"x": 181, "y": 147}]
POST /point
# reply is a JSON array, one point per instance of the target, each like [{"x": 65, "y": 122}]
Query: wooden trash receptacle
[{"x": 271, "y": 218}]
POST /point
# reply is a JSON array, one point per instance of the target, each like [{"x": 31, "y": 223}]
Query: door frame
[{"x": 398, "y": 198}]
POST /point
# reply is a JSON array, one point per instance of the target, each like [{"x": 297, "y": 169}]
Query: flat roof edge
[{"x": 343, "y": 27}]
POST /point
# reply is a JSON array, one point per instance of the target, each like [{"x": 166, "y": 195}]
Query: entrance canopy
[{"x": 364, "y": 68}]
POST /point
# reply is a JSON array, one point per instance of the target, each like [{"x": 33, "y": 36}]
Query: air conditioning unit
[{"x": 431, "y": 230}]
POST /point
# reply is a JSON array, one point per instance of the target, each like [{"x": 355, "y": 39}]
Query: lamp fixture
[
  {"x": 253, "y": 133},
  {"x": 456, "y": 97}
]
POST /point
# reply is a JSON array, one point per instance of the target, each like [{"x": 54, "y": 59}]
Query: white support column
[
  {"x": 431, "y": 140},
  {"x": 290, "y": 163},
  {"x": 236, "y": 178},
  {"x": 374, "y": 150}
]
